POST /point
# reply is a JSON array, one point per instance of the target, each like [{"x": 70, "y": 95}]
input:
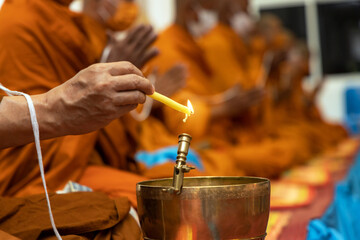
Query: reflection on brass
[
  {"x": 207, "y": 208},
  {"x": 180, "y": 166}
]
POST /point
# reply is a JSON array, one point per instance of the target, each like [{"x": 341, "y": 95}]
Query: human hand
[
  {"x": 171, "y": 81},
  {"x": 239, "y": 102},
  {"x": 96, "y": 96},
  {"x": 135, "y": 47},
  {"x": 244, "y": 100},
  {"x": 310, "y": 97}
]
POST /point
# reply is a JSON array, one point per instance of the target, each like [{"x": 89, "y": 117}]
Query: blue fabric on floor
[
  {"x": 341, "y": 220},
  {"x": 168, "y": 154}
]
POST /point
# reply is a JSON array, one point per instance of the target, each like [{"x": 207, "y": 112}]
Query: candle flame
[
  {"x": 191, "y": 110},
  {"x": 190, "y": 107}
]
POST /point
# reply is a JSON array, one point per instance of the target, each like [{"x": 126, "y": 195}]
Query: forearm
[
  {"x": 15, "y": 122},
  {"x": 89, "y": 101}
]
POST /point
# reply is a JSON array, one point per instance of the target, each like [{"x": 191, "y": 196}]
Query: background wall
[
  {"x": 160, "y": 13},
  {"x": 331, "y": 99}
]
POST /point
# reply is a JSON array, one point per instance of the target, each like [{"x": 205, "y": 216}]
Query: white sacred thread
[
  {"x": 35, "y": 127},
  {"x": 145, "y": 113}
]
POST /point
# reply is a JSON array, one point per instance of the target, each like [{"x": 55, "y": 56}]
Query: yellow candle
[{"x": 171, "y": 103}]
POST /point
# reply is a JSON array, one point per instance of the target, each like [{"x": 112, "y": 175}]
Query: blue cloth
[
  {"x": 168, "y": 154},
  {"x": 71, "y": 187},
  {"x": 341, "y": 220},
  {"x": 352, "y": 109}
]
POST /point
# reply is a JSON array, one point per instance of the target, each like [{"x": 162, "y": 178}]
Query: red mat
[{"x": 291, "y": 224}]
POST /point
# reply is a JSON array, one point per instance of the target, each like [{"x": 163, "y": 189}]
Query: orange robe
[
  {"x": 225, "y": 53},
  {"x": 231, "y": 60},
  {"x": 82, "y": 215},
  {"x": 152, "y": 134},
  {"x": 268, "y": 114},
  {"x": 177, "y": 46},
  {"x": 42, "y": 44},
  {"x": 289, "y": 114},
  {"x": 324, "y": 134},
  {"x": 282, "y": 120},
  {"x": 275, "y": 122}
]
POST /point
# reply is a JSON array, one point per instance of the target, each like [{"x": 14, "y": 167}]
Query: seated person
[{"x": 42, "y": 45}]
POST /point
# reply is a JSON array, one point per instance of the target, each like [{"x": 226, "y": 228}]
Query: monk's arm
[
  {"x": 90, "y": 100},
  {"x": 15, "y": 124}
]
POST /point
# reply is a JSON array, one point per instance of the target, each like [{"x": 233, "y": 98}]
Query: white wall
[
  {"x": 332, "y": 99},
  {"x": 159, "y": 13}
]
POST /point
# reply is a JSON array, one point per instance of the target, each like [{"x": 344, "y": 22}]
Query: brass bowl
[{"x": 207, "y": 208}]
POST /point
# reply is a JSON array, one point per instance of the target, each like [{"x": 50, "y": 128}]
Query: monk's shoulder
[
  {"x": 19, "y": 18},
  {"x": 16, "y": 19}
]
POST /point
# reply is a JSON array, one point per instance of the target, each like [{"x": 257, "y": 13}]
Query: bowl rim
[{"x": 143, "y": 184}]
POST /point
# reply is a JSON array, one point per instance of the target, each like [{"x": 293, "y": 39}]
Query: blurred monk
[
  {"x": 147, "y": 133},
  {"x": 284, "y": 109},
  {"x": 43, "y": 44},
  {"x": 210, "y": 125},
  {"x": 300, "y": 105},
  {"x": 223, "y": 47},
  {"x": 278, "y": 42},
  {"x": 234, "y": 15}
]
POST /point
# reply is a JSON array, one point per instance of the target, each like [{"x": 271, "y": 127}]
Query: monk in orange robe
[
  {"x": 43, "y": 44},
  {"x": 177, "y": 45},
  {"x": 221, "y": 43},
  {"x": 300, "y": 106},
  {"x": 279, "y": 41},
  {"x": 227, "y": 54},
  {"x": 285, "y": 108},
  {"x": 151, "y": 134}
]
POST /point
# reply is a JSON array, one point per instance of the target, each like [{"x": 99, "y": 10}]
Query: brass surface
[
  {"x": 207, "y": 208},
  {"x": 180, "y": 166}
]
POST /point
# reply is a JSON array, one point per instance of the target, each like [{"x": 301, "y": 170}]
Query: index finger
[
  {"x": 123, "y": 68},
  {"x": 132, "y": 82}
]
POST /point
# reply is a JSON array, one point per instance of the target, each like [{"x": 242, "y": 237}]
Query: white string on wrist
[
  {"x": 35, "y": 127},
  {"x": 146, "y": 110},
  {"x": 105, "y": 54},
  {"x": 145, "y": 113}
]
